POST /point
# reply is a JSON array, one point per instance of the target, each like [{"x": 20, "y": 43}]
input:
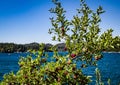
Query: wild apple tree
[{"x": 83, "y": 42}]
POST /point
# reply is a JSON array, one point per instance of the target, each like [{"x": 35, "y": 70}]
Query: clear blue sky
[{"x": 26, "y": 21}]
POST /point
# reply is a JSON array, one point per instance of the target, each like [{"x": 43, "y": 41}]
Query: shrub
[{"x": 83, "y": 42}]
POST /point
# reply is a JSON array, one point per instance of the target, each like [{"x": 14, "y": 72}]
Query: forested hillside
[{"x": 12, "y": 47}]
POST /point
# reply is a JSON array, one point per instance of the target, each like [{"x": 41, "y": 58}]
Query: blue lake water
[{"x": 109, "y": 66}]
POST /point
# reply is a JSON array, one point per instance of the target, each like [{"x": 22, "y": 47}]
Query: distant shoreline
[
  {"x": 19, "y": 48},
  {"x": 110, "y": 52}
]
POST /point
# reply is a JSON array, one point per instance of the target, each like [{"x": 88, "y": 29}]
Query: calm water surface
[{"x": 109, "y": 66}]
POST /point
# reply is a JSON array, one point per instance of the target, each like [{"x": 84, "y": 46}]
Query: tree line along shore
[{"x": 12, "y": 47}]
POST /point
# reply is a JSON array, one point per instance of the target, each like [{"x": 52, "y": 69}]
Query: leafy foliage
[
  {"x": 83, "y": 42},
  {"x": 82, "y": 34}
]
